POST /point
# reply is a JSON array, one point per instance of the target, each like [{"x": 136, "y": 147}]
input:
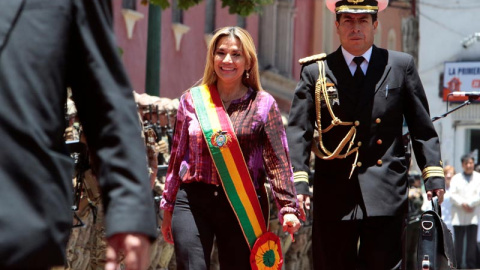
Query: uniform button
[
  {"x": 379, "y": 141},
  {"x": 215, "y": 193},
  {"x": 378, "y": 120},
  {"x": 357, "y": 123},
  {"x": 359, "y": 164},
  {"x": 359, "y": 144},
  {"x": 379, "y": 162}
]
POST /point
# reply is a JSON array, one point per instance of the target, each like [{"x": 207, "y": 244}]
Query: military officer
[{"x": 357, "y": 98}]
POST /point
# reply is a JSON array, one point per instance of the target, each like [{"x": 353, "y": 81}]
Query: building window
[
  {"x": 129, "y": 4},
  {"x": 276, "y": 37},
  {"x": 328, "y": 24},
  {"x": 377, "y": 40},
  {"x": 241, "y": 21},
  {"x": 210, "y": 16},
  {"x": 409, "y": 41},
  {"x": 177, "y": 14},
  {"x": 473, "y": 139},
  {"x": 392, "y": 40}
]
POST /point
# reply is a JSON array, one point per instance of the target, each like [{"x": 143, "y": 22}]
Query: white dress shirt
[
  {"x": 352, "y": 65},
  {"x": 463, "y": 191}
]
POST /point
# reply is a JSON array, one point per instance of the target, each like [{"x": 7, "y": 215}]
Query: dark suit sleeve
[
  {"x": 300, "y": 127},
  {"x": 425, "y": 142},
  {"x": 107, "y": 111}
]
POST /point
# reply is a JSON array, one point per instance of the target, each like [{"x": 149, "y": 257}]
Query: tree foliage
[{"x": 240, "y": 7}]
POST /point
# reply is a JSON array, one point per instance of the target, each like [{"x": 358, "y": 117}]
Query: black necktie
[{"x": 358, "y": 76}]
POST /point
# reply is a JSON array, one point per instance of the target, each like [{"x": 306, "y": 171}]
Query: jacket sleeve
[
  {"x": 103, "y": 95},
  {"x": 300, "y": 129},
  {"x": 277, "y": 163},
  {"x": 425, "y": 142}
]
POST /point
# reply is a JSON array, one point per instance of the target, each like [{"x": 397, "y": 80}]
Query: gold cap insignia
[{"x": 355, "y": 1}]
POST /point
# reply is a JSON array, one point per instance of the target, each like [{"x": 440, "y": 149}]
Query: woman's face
[
  {"x": 449, "y": 174},
  {"x": 229, "y": 60}
]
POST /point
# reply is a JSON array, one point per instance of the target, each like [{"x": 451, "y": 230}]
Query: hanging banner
[{"x": 459, "y": 79}]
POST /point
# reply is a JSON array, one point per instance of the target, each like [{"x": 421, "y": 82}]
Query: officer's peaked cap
[{"x": 356, "y": 6}]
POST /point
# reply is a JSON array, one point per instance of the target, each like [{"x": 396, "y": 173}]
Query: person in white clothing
[{"x": 465, "y": 199}]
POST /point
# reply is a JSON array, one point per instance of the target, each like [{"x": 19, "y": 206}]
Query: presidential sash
[{"x": 233, "y": 171}]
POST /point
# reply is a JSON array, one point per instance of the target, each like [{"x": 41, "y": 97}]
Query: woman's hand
[
  {"x": 167, "y": 226},
  {"x": 291, "y": 224}
]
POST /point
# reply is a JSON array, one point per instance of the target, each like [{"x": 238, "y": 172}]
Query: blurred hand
[
  {"x": 414, "y": 193},
  {"x": 135, "y": 247},
  {"x": 438, "y": 192},
  {"x": 161, "y": 147},
  {"x": 304, "y": 203},
  {"x": 167, "y": 226},
  {"x": 467, "y": 208},
  {"x": 291, "y": 224},
  {"x": 69, "y": 134}
]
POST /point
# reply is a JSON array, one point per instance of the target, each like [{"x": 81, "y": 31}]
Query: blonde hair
[
  {"x": 248, "y": 48},
  {"x": 449, "y": 168}
]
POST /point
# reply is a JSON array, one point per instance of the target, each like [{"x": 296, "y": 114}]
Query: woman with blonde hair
[
  {"x": 229, "y": 139},
  {"x": 449, "y": 172}
]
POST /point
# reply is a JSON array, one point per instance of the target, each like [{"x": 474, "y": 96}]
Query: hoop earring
[{"x": 247, "y": 75}]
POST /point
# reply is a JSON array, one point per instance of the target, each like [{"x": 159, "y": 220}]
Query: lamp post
[{"x": 152, "y": 80}]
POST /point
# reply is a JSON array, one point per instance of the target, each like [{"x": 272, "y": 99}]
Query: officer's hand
[
  {"x": 167, "y": 226},
  {"x": 438, "y": 192},
  {"x": 304, "y": 203},
  {"x": 135, "y": 247}
]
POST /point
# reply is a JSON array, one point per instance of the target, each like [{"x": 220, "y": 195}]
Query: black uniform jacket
[
  {"x": 46, "y": 46},
  {"x": 392, "y": 92}
]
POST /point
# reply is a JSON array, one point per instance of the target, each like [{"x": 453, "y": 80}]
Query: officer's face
[
  {"x": 229, "y": 60},
  {"x": 356, "y": 32}
]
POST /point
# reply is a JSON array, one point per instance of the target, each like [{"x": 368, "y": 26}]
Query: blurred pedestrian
[
  {"x": 465, "y": 197},
  {"x": 45, "y": 47},
  {"x": 449, "y": 171}
]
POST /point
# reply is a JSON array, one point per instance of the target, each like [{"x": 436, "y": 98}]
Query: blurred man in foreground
[{"x": 45, "y": 47}]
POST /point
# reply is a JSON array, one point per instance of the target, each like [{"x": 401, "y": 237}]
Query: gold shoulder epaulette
[{"x": 312, "y": 58}]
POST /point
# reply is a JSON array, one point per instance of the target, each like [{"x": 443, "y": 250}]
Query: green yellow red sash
[
  {"x": 228, "y": 159},
  {"x": 266, "y": 252}
]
